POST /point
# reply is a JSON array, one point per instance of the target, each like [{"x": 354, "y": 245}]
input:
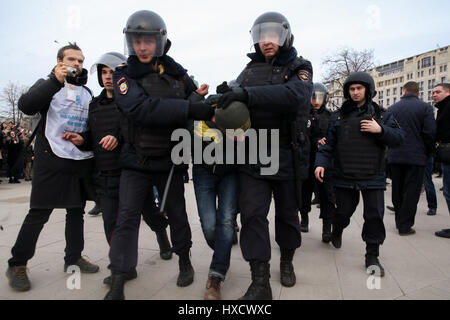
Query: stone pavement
[{"x": 417, "y": 266}]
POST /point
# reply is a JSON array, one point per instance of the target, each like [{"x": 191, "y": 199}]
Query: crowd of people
[
  {"x": 16, "y": 152},
  {"x": 117, "y": 149}
]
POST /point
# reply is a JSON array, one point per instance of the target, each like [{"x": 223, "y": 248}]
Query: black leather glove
[
  {"x": 200, "y": 111},
  {"x": 236, "y": 94},
  {"x": 223, "y": 88}
]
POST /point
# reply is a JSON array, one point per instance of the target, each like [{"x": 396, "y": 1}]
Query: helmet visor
[
  {"x": 269, "y": 32},
  {"x": 145, "y": 44},
  {"x": 108, "y": 60},
  {"x": 318, "y": 97}
]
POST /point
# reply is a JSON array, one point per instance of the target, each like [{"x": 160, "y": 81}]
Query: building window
[
  {"x": 434, "y": 61},
  {"x": 418, "y": 64},
  {"x": 421, "y": 96},
  {"x": 445, "y": 68},
  {"x": 421, "y": 73},
  {"x": 426, "y": 62},
  {"x": 443, "y": 79},
  {"x": 380, "y": 94},
  {"x": 401, "y": 79},
  {"x": 430, "y": 95},
  {"x": 388, "y": 92},
  {"x": 441, "y": 68},
  {"x": 380, "y": 84},
  {"x": 388, "y": 102},
  {"x": 401, "y": 90},
  {"x": 395, "y": 91},
  {"x": 418, "y": 74},
  {"x": 395, "y": 100}
]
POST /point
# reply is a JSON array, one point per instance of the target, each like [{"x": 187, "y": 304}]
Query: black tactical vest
[
  {"x": 156, "y": 141},
  {"x": 360, "y": 155},
  {"x": 261, "y": 74},
  {"x": 102, "y": 119}
]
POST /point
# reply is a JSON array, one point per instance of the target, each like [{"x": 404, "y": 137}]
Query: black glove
[
  {"x": 223, "y": 88},
  {"x": 200, "y": 111},
  {"x": 236, "y": 94}
]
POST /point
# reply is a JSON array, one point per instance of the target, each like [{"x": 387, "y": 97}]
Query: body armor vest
[
  {"x": 102, "y": 119},
  {"x": 261, "y": 74},
  {"x": 360, "y": 155},
  {"x": 156, "y": 141}
]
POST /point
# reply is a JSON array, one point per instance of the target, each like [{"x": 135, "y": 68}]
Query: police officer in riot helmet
[
  {"x": 156, "y": 96},
  {"x": 275, "y": 85},
  {"x": 319, "y": 117},
  {"x": 104, "y": 137},
  {"x": 358, "y": 135}
]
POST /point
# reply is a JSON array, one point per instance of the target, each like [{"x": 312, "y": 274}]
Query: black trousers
[
  {"x": 107, "y": 187},
  {"x": 134, "y": 190},
  {"x": 407, "y": 181},
  {"x": 25, "y": 245},
  {"x": 254, "y": 201},
  {"x": 347, "y": 200},
  {"x": 325, "y": 194}
]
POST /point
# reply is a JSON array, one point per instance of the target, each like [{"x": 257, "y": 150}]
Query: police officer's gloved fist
[
  {"x": 236, "y": 94},
  {"x": 223, "y": 88},
  {"x": 200, "y": 111}
]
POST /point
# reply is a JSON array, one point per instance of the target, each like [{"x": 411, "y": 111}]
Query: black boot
[
  {"x": 336, "y": 237},
  {"x": 373, "y": 265},
  {"x": 95, "y": 211},
  {"x": 165, "y": 250},
  {"x": 287, "y": 274},
  {"x": 326, "y": 231},
  {"x": 186, "y": 276},
  {"x": 260, "y": 287},
  {"x": 117, "y": 283},
  {"x": 304, "y": 223},
  {"x": 128, "y": 276}
]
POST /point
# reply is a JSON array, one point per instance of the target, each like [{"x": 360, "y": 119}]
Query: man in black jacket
[
  {"x": 441, "y": 98},
  {"x": 62, "y": 172},
  {"x": 355, "y": 146},
  {"x": 153, "y": 93},
  {"x": 276, "y": 85},
  {"x": 407, "y": 162}
]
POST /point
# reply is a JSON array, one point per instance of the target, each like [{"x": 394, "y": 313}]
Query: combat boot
[
  {"x": 260, "y": 287},
  {"x": 287, "y": 274},
  {"x": 128, "y": 276},
  {"x": 186, "y": 275},
  {"x": 117, "y": 283},
  {"x": 304, "y": 223},
  {"x": 165, "y": 250},
  {"x": 18, "y": 278},
  {"x": 326, "y": 231},
  {"x": 373, "y": 265},
  {"x": 336, "y": 237}
]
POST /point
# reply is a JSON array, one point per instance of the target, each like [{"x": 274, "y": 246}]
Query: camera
[{"x": 71, "y": 72}]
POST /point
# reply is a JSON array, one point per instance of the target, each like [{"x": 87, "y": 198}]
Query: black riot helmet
[
  {"x": 146, "y": 23},
  {"x": 319, "y": 94},
  {"x": 272, "y": 26},
  {"x": 111, "y": 60},
  {"x": 360, "y": 78}
]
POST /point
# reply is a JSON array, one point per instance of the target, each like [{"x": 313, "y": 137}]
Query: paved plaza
[{"x": 417, "y": 266}]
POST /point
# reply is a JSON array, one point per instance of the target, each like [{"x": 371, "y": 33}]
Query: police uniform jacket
[
  {"x": 57, "y": 182},
  {"x": 150, "y": 112},
  {"x": 391, "y": 136},
  {"x": 278, "y": 91}
]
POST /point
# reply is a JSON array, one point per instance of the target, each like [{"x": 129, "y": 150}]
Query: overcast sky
[{"x": 211, "y": 38}]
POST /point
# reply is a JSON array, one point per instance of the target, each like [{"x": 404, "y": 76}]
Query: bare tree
[
  {"x": 10, "y": 95},
  {"x": 345, "y": 61}
]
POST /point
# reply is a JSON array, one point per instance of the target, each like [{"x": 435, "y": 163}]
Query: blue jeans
[
  {"x": 429, "y": 185},
  {"x": 446, "y": 182},
  {"x": 217, "y": 221}
]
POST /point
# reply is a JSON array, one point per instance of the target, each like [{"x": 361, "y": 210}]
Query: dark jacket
[
  {"x": 57, "y": 182},
  {"x": 416, "y": 118},
  {"x": 391, "y": 135},
  {"x": 147, "y": 111},
  {"x": 287, "y": 99},
  {"x": 443, "y": 121}
]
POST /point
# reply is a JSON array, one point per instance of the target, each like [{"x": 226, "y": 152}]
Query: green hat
[{"x": 235, "y": 116}]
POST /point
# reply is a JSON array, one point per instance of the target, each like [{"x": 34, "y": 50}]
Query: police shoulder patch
[
  {"x": 122, "y": 84},
  {"x": 304, "y": 75}
]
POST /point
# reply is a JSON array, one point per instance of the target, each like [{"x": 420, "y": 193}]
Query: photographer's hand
[
  {"x": 61, "y": 72},
  {"x": 75, "y": 138}
]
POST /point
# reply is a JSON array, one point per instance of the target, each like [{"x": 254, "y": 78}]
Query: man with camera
[{"x": 62, "y": 171}]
